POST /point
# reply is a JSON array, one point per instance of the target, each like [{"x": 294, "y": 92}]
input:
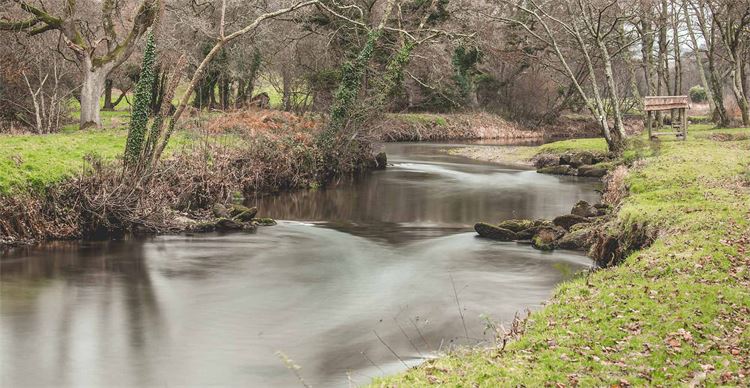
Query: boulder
[
  {"x": 584, "y": 209},
  {"x": 228, "y": 224},
  {"x": 602, "y": 209},
  {"x": 557, "y": 170},
  {"x": 592, "y": 171},
  {"x": 381, "y": 160},
  {"x": 494, "y": 232},
  {"x": 565, "y": 158},
  {"x": 264, "y": 221},
  {"x": 247, "y": 215},
  {"x": 568, "y": 220},
  {"x": 203, "y": 227},
  {"x": 546, "y": 160},
  {"x": 545, "y": 238},
  {"x": 516, "y": 225},
  {"x": 236, "y": 210},
  {"x": 581, "y": 158},
  {"x": 575, "y": 240},
  {"x": 220, "y": 211}
]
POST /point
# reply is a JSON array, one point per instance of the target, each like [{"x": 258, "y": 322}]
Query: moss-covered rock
[
  {"x": 568, "y": 220},
  {"x": 381, "y": 161},
  {"x": 203, "y": 227},
  {"x": 247, "y": 215},
  {"x": 557, "y": 170},
  {"x": 546, "y": 160},
  {"x": 546, "y": 238},
  {"x": 516, "y": 225},
  {"x": 220, "y": 211},
  {"x": 584, "y": 209},
  {"x": 591, "y": 171},
  {"x": 235, "y": 210},
  {"x": 228, "y": 224},
  {"x": 578, "y": 239},
  {"x": 264, "y": 221},
  {"x": 581, "y": 158},
  {"x": 494, "y": 232}
]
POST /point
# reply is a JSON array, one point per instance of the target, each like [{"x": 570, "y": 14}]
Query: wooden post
[
  {"x": 648, "y": 123},
  {"x": 684, "y": 123}
]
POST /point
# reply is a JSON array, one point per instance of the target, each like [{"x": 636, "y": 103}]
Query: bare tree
[
  {"x": 733, "y": 19},
  {"x": 92, "y": 37},
  {"x": 592, "y": 26}
]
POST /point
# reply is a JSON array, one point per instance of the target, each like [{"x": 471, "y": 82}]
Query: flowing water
[{"x": 358, "y": 280}]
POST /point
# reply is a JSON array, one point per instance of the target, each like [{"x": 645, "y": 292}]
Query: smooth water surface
[{"x": 352, "y": 271}]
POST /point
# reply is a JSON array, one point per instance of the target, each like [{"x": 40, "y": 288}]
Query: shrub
[{"x": 698, "y": 94}]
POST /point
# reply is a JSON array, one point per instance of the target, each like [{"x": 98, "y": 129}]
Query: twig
[
  {"x": 419, "y": 331},
  {"x": 389, "y": 348},
  {"x": 458, "y": 305},
  {"x": 407, "y": 337}
]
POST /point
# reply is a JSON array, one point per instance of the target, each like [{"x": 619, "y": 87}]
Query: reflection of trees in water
[
  {"x": 398, "y": 196},
  {"x": 93, "y": 299}
]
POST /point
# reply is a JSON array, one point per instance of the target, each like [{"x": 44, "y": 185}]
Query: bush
[{"x": 698, "y": 94}]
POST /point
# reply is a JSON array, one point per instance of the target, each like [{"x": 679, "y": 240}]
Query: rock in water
[
  {"x": 220, "y": 211},
  {"x": 546, "y": 160},
  {"x": 227, "y": 224},
  {"x": 247, "y": 215},
  {"x": 575, "y": 240},
  {"x": 591, "y": 171},
  {"x": 568, "y": 220},
  {"x": 381, "y": 160},
  {"x": 239, "y": 209},
  {"x": 494, "y": 232},
  {"x": 557, "y": 170},
  {"x": 516, "y": 225},
  {"x": 264, "y": 221},
  {"x": 581, "y": 158},
  {"x": 544, "y": 239},
  {"x": 584, "y": 209}
]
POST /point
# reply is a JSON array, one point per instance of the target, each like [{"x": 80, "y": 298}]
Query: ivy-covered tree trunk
[
  {"x": 141, "y": 105},
  {"x": 351, "y": 83}
]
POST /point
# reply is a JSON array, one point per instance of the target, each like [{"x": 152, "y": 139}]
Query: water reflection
[{"x": 375, "y": 259}]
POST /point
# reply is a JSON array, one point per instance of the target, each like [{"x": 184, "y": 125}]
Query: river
[{"x": 356, "y": 281}]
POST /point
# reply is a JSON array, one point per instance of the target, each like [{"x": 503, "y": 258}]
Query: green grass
[
  {"x": 559, "y": 147},
  {"x": 675, "y": 313},
  {"x": 33, "y": 162}
]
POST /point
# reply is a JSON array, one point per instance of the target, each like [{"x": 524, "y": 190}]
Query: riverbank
[
  {"x": 399, "y": 127},
  {"x": 71, "y": 185},
  {"x": 674, "y": 313}
]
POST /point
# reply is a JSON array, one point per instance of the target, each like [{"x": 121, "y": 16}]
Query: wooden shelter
[{"x": 668, "y": 103}]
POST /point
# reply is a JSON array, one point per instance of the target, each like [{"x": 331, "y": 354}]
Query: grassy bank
[
  {"x": 675, "y": 313},
  {"x": 71, "y": 185},
  {"x": 37, "y": 161}
]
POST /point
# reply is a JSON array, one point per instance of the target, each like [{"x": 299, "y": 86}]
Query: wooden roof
[{"x": 655, "y": 103}]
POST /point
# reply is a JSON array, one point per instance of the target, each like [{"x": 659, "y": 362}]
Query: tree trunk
[
  {"x": 286, "y": 81},
  {"x": 698, "y": 58},
  {"x": 618, "y": 133},
  {"x": 739, "y": 94},
  {"x": 91, "y": 89},
  {"x": 717, "y": 90},
  {"x": 108, "y": 105}
]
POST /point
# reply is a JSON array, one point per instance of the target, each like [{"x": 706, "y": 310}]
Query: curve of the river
[{"x": 350, "y": 272}]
